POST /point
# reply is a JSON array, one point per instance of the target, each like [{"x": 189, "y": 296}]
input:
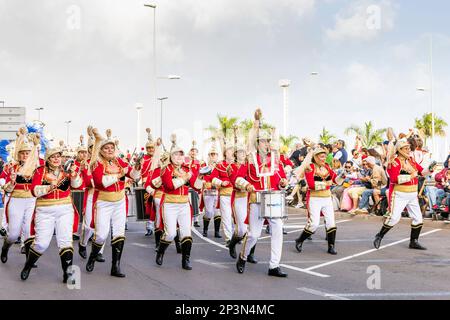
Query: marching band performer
[
  {"x": 195, "y": 165},
  {"x": 209, "y": 199},
  {"x": 21, "y": 203},
  {"x": 88, "y": 185},
  {"x": 403, "y": 172},
  {"x": 109, "y": 204},
  {"x": 176, "y": 178},
  {"x": 145, "y": 172},
  {"x": 221, "y": 180},
  {"x": 239, "y": 201},
  {"x": 155, "y": 189},
  {"x": 51, "y": 185},
  {"x": 319, "y": 178},
  {"x": 263, "y": 174}
]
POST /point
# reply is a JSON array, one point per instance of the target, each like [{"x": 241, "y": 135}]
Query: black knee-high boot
[
  {"x": 331, "y": 237},
  {"x": 93, "y": 256},
  {"x": 32, "y": 258},
  {"x": 251, "y": 256},
  {"x": 163, "y": 244},
  {"x": 414, "y": 241},
  {"x": 205, "y": 226},
  {"x": 177, "y": 242},
  {"x": 158, "y": 234},
  {"x": 379, "y": 236},
  {"x": 232, "y": 246},
  {"x": 27, "y": 245},
  {"x": 186, "y": 246},
  {"x": 117, "y": 249},
  {"x": 299, "y": 241},
  {"x": 217, "y": 222},
  {"x": 66, "y": 256},
  {"x": 5, "y": 250}
]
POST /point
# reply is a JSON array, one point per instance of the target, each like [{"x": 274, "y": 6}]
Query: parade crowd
[{"x": 241, "y": 187}]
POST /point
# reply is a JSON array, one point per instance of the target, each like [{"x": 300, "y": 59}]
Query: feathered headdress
[
  {"x": 150, "y": 142},
  {"x": 174, "y": 148}
]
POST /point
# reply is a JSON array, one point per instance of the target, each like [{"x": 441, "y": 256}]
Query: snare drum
[
  {"x": 272, "y": 204},
  {"x": 141, "y": 214}
]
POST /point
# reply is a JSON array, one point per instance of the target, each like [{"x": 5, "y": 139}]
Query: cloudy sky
[{"x": 90, "y": 61}]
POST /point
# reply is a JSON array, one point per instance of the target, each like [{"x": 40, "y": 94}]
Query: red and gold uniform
[{"x": 209, "y": 203}]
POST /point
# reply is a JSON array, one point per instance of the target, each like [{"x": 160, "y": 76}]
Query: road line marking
[
  {"x": 286, "y": 266},
  {"x": 212, "y": 264},
  {"x": 396, "y": 294},
  {"x": 293, "y": 231},
  {"x": 141, "y": 245},
  {"x": 322, "y": 294},
  {"x": 368, "y": 251},
  {"x": 321, "y": 275}
]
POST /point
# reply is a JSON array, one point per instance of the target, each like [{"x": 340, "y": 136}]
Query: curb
[{"x": 427, "y": 222}]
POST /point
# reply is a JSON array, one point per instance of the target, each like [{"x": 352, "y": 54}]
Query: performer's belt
[
  {"x": 226, "y": 191},
  {"x": 158, "y": 194},
  {"x": 240, "y": 194},
  {"x": 53, "y": 202},
  {"x": 320, "y": 194},
  {"x": 403, "y": 188},
  {"x": 111, "y": 196},
  {"x": 208, "y": 185},
  {"x": 21, "y": 194},
  {"x": 176, "y": 198}
]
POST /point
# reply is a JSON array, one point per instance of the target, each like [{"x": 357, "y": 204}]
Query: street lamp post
[
  {"x": 284, "y": 84},
  {"x": 68, "y": 122},
  {"x": 39, "y": 113},
  {"x": 139, "y": 108},
  {"x": 161, "y": 124},
  {"x": 153, "y": 6}
]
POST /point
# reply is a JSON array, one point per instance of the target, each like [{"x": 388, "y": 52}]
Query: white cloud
[{"x": 363, "y": 20}]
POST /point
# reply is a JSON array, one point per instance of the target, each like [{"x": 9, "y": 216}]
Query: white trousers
[
  {"x": 47, "y": 219},
  {"x": 254, "y": 232},
  {"x": 3, "y": 222},
  {"x": 157, "y": 203},
  {"x": 210, "y": 207},
  {"x": 86, "y": 231},
  {"x": 240, "y": 214},
  {"x": 226, "y": 213},
  {"x": 110, "y": 216},
  {"x": 20, "y": 214},
  {"x": 174, "y": 213},
  {"x": 399, "y": 201},
  {"x": 319, "y": 205}
]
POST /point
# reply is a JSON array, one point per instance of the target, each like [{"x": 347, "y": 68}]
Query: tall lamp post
[
  {"x": 153, "y": 6},
  {"x": 39, "y": 113},
  {"x": 68, "y": 122},
  {"x": 284, "y": 84},
  {"x": 161, "y": 123},
  {"x": 139, "y": 108}
]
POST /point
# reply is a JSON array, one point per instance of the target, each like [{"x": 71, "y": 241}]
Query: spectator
[
  {"x": 375, "y": 184},
  {"x": 329, "y": 149},
  {"x": 344, "y": 180},
  {"x": 443, "y": 189},
  {"x": 356, "y": 158},
  {"x": 299, "y": 155},
  {"x": 447, "y": 162},
  {"x": 364, "y": 183},
  {"x": 341, "y": 153}
]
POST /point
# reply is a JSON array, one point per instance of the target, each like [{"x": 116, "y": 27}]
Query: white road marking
[
  {"x": 297, "y": 230},
  {"x": 141, "y": 245},
  {"x": 368, "y": 251},
  {"x": 286, "y": 266},
  {"x": 322, "y": 294},
  {"x": 216, "y": 265}
]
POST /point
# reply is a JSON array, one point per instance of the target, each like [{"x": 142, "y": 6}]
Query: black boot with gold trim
[
  {"x": 240, "y": 265},
  {"x": 117, "y": 249},
  {"x": 299, "y": 241},
  {"x": 66, "y": 256},
  {"x": 251, "y": 256},
  {"x": 217, "y": 222},
  {"x": 232, "y": 246},
  {"x": 32, "y": 258},
  {"x": 331, "y": 237},
  {"x": 5, "y": 250},
  {"x": 93, "y": 256},
  {"x": 158, "y": 234},
  {"x": 205, "y": 226},
  {"x": 27, "y": 245},
  {"x": 186, "y": 246},
  {"x": 177, "y": 242},
  {"x": 379, "y": 236},
  {"x": 414, "y": 241},
  {"x": 162, "y": 249}
]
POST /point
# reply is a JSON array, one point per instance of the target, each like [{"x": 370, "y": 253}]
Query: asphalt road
[{"x": 357, "y": 272}]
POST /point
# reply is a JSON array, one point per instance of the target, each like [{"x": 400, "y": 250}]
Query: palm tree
[
  {"x": 425, "y": 125},
  {"x": 368, "y": 135},
  {"x": 288, "y": 141},
  {"x": 326, "y": 137},
  {"x": 225, "y": 127},
  {"x": 246, "y": 125}
]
